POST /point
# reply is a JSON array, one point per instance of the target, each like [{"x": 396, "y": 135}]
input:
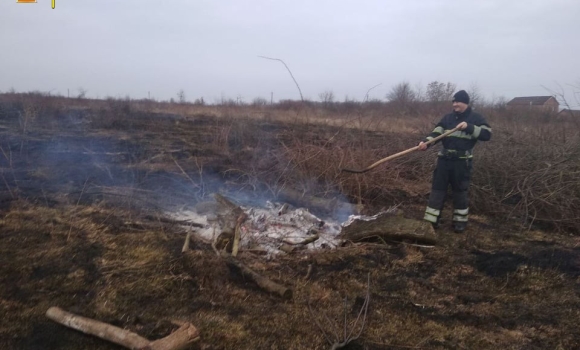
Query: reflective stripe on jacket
[{"x": 462, "y": 140}]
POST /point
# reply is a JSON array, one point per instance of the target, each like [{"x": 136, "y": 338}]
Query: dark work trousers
[{"x": 457, "y": 173}]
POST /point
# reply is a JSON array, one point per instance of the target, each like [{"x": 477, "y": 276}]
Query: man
[{"x": 454, "y": 160}]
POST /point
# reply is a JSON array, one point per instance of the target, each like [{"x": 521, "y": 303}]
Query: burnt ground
[{"x": 81, "y": 208}]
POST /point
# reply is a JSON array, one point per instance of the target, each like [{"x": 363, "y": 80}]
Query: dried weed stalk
[{"x": 334, "y": 339}]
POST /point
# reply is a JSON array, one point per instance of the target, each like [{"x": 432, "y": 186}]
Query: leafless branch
[
  {"x": 369, "y": 90},
  {"x": 289, "y": 71}
]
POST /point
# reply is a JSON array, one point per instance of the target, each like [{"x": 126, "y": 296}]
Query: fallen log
[
  {"x": 181, "y": 338},
  {"x": 389, "y": 227}
]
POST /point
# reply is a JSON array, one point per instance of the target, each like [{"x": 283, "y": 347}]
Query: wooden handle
[{"x": 402, "y": 153}]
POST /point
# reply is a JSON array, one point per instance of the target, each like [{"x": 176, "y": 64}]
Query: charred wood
[{"x": 390, "y": 227}]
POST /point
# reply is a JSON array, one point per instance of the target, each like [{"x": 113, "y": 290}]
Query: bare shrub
[
  {"x": 82, "y": 93},
  {"x": 259, "y": 101},
  {"x": 530, "y": 171},
  {"x": 403, "y": 97}
]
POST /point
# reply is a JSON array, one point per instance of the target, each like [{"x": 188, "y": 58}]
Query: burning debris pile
[
  {"x": 270, "y": 229},
  {"x": 280, "y": 227}
]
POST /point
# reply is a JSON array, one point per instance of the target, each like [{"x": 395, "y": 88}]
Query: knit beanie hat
[{"x": 461, "y": 96}]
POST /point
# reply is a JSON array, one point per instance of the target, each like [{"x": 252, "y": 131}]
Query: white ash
[{"x": 269, "y": 227}]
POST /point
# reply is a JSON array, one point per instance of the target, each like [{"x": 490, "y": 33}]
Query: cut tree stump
[
  {"x": 390, "y": 227},
  {"x": 181, "y": 338}
]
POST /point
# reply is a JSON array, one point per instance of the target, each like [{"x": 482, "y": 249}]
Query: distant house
[
  {"x": 570, "y": 112},
  {"x": 536, "y": 103}
]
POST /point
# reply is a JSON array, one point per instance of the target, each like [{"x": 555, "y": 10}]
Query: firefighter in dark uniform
[{"x": 454, "y": 160}]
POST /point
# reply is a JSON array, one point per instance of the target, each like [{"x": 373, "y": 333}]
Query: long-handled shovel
[{"x": 397, "y": 155}]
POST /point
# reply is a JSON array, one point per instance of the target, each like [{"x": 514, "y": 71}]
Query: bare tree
[
  {"x": 419, "y": 94},
  {"x": 181, "y": 96},
  {"x": 82, "y": 92},
  {"x": 326, "y": 97},
  {"x": 402, "y": 96},
  {"x": 560, "y": 95},
  {"x": 499, "y": 103},
  {"x": 475, "y": 95},
  {"x": 576, "y": 92},
  {"x": 439, "y": 92}
]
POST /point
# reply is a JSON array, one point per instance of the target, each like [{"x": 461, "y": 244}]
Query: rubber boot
[
  {"x": 459, "y": 226},
  {"x": 437, "y": 224}
]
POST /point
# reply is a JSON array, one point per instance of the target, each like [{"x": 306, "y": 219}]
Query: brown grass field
[{"x": 85, "y": 187}]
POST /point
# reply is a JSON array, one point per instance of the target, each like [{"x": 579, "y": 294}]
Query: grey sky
[{"x": 210, "y": 48}]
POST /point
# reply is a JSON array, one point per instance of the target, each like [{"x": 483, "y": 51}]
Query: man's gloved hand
[{"x": 462, "y": 126}]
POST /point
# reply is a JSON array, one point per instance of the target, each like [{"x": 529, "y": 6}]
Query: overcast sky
[{"x": 210, "y": 48}]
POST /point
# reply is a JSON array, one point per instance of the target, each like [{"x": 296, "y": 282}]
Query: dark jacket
[{"x": 461, "y": 142}]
